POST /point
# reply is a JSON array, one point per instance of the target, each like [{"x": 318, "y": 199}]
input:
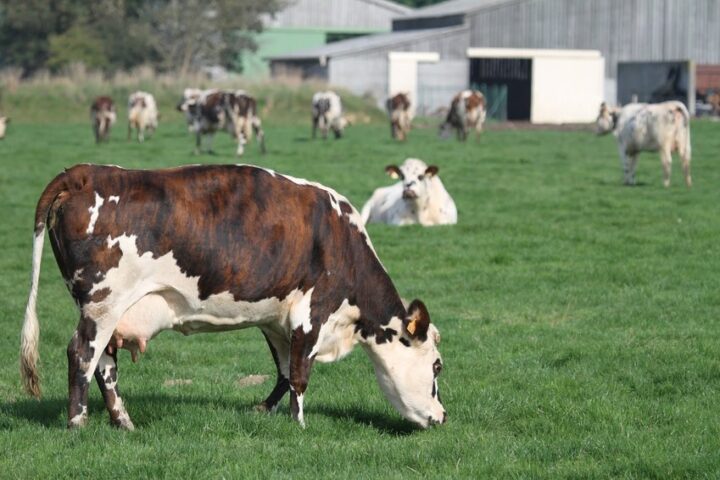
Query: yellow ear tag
[{"x": 411, "y": 327}]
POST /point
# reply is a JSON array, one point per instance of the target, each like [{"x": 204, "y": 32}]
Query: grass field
[{"x": 579, "y": 318}]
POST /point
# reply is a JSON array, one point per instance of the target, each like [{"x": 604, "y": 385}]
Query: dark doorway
[{"x": 506, "y": 83}]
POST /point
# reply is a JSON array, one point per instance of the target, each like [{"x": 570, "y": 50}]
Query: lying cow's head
[
  {"x": 415, "y": 176},
  {"x": 607, "y": 119},
  {"x": 407, "y": 369},
  {"x": 3, "y": 125}
]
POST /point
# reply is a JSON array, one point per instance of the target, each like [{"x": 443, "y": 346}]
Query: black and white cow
[
  {"x": 210, "y": 111},
  {"x": 327, "y": 114},
  {"x": 217, "y": 248}
]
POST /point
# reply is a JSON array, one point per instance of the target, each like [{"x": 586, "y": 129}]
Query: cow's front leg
[
  {"x": 300, "y": 367},
  {"x": 626, "y": 162},
  {"x": 280, "y": 349},
  {"x": 106, "y": 375},
  {"x": 84, "y": 352}
]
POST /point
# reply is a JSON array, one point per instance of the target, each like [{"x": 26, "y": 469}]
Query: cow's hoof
[
  {"x": 262, "y": 407},
  {"x": 78, "y": 421},
  {"x": 124, "y": 424}
]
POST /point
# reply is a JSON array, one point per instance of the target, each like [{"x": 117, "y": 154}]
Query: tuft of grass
[{"x": 578, "y": 318}]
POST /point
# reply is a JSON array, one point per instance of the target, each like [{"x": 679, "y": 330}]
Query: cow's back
[{"x": 240, "y": 229}]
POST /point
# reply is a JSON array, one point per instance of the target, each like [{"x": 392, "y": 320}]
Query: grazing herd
[{"x": 141, "y": 256}]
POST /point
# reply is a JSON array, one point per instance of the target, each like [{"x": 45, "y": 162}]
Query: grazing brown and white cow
[
  {"x": 467, "y": 112},
  {"x": 327, "y": 114},
  {"x": 102, "y": 116},
  {"x": 218, "y": 248},
  {"x": 3, "y": 126},
  {"x": 216, "y": 110},
  {"x": 142, "y": 114},
  {"x": 642, "y": 127},
  {"x": 398, "y": 108},
  {"x": 419, "y": 197}
]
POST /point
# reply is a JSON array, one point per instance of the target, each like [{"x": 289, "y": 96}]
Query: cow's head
[
  {"x": 416, "y": 177},
  {"x": 607, "y": 119},
  {"x": 3, "y": 125},
  {"x": 407, "y": 368}
]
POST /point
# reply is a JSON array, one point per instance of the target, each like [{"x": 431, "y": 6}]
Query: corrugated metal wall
[
  {"x": 344, "y": 14},
  {"x": 368, "y": 72},
  {"x": 622, "y": 30}
]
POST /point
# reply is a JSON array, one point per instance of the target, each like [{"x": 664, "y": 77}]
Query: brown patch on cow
[
  {"x": 475, "y": 100},
  {"x": 251, "y": 380}
]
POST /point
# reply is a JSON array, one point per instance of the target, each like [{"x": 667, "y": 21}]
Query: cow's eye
[
  {"x": 420, "y": 177},
  {"x": 437, "y": 367}
]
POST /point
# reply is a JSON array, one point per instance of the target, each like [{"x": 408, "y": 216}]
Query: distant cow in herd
[
  {"x": 466, "y": 113},
  {"x": 327, "y": 114},
  {"x": 641, "y": 127},
  {"x": 398, "y": 108},
  {"x": 218, "y": 248},
  {"x": 102, "y": 116},
  {"x": 3, "y": 126},
  {"x": 419, "y": 197},
  {"x": 142, "y": 114},
  {"x": 211, "y": 111}
]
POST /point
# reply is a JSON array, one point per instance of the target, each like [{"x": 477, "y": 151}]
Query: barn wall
[
  {"x": 339, "y": 14},
  {"x": 367, "y": 72},
  {"x": 622, "y": 30}
]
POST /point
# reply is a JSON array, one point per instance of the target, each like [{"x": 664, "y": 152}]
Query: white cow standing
[
  {"x": 420, "y": 197},
  {"x": 642, "y": 127},
  {"x": 327, "y": 114},
  {"x": 142, "y": 114}
]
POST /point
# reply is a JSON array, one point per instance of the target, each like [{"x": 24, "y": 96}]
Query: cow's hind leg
[
  {"x": 280, "y": 350},
  {"x": 84, "y": 351},
  {"x": 106, "y": 375},
  {"x": 666, "y": 159}
]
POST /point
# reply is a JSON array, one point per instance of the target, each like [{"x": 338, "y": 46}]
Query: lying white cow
[
  {"x": 642, "y": 127},
  {"x": 3, "y": 126},
  {"x": 327, "y": 114},
  {"x": 420, "y": 197},
  {"x": 142, "y": 114}
]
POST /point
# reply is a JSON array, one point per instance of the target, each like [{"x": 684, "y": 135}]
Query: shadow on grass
[{"x": 51, "y": 412}]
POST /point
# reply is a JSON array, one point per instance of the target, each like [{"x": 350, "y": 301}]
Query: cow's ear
[
  {"x": 431, "y": 171},
  {"x": 393, "y": 171},
  {"x": 417, "y": 321}
]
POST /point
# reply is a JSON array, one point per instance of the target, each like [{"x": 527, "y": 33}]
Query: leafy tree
[{"x": 79, "y": 44}]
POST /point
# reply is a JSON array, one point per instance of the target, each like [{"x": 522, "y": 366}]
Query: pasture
[{"x": 580, "y": 320}]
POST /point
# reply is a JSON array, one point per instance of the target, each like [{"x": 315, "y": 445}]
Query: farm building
[
  {"x": 621, "y": 30},
  {"x": 313, "y": 23}
]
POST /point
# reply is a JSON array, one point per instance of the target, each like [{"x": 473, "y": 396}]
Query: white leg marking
[{"x": 300, "y": 417}]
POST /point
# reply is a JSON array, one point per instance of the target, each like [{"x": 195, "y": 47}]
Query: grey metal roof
[
  {"x": 397, "y": 7},
  {"x": 365, "y": 43},
  {"x": 455, "y": 7}
]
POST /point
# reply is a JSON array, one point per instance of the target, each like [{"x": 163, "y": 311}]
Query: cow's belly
[{"x": 160, "y": 311}]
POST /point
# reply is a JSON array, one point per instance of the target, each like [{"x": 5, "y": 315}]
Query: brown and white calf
[
  {"x": 419, "y": 197},
  {"x": 219, "y": 248},
  {"x": 641, "y": 127},
  {"x": 327, "y": 114},
  {"x": 467, "y": 112},
  {"x": 211, "y": 111},
  {"x": 398, "y": 108},
  {"x": 102, "y": 116},
  {"x": 3, "y": 126},
  {"x": 142, "y": 114}
]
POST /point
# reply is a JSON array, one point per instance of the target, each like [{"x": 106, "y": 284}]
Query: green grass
[{"x": 579, "y": 322}]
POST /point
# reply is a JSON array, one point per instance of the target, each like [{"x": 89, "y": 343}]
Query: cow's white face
[
  {"x": 606, "y": 120},
  {"x": 407, "y": 368},
  {"x": 3, "y": 125},
  {"x": 415, "y": 176}
]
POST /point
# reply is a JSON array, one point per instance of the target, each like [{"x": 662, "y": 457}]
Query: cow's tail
[
  {"x": 685, "y": 126},
  {"x": 29, "y": 339}
]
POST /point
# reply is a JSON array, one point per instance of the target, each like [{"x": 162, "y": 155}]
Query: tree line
[{"x": 111, "y": 35}]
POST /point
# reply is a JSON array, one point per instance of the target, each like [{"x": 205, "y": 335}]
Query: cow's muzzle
[{"x": 409, "y": 194}]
